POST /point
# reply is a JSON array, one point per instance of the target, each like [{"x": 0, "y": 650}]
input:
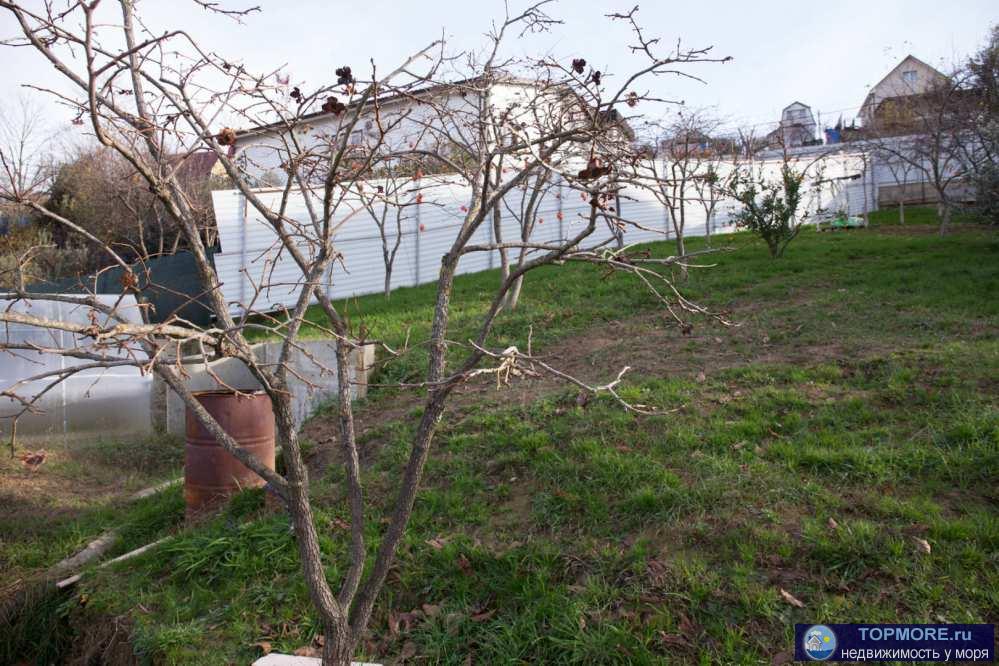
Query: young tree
[
  {"x": 148, "y": 107},
  {"x": 525, "y": 213},
  {"x": 713, "y": 178},
  {"x": 772, "y": 204},
  {"x": 391, "y": 202}
]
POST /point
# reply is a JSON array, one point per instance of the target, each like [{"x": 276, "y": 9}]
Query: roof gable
[{"x": 910, "y": 61}]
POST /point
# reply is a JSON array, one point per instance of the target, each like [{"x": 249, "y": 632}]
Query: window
[
  {"x": 355, "y": 138},
  {"x": 909, "y": 76}
]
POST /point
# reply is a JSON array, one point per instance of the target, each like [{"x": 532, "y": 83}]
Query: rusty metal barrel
[{"x": 212, "y": 474}]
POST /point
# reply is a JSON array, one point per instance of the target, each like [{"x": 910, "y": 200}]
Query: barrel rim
[{"x": 238, "y": 393}]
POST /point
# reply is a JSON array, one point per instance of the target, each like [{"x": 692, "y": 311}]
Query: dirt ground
[{"x": 595, "y": 357}]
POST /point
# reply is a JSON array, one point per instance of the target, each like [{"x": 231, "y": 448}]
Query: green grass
[
  {"x": 919, "y": 215},
  {"x": 859, "y": 387},
  {"x": 922, "y": 274},
  {"x": 78, "y": 493}
]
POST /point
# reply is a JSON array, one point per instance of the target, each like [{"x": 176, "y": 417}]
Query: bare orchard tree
[
  {"x": 713, "y": 176},
  {"x": 901, "y": 172},
  {"x": 982, "y": 122},
  {"x": 391, "y": 201},
  {"x": 152, "y": 96},
  {"x": 26, "y": 140},
  {"x": 672, "y": 172},
  {"x": 928, "y": 133},
  {"x": 29, "y": 165},
  {"x": 525, "y": 211}
]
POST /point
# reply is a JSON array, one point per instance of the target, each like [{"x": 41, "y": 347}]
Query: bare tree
[
  {"x": 29, "y": 146},
  {"x": 26, "y": 141},
  {"x": 927, "y": 132},
  {"x": 105, "y": 195},
  {"x": 391, "y": 202},
  {"x": 901, "y": 172},
  {"x": 525, "y": 212},
  {"x": 674, "y": 169},
  {"x": 982, "y": 122},
  {"x": 713, "y": 174},
  {"x": 149, "y": 106}
]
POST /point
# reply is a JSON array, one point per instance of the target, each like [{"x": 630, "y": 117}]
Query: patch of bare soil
[
  {"x": 48, "y": 490},
  {"x": 650, "y": 345}
]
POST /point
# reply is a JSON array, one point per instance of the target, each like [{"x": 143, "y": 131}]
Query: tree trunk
[
  {"x": 513, "y": 295},
  {"x": 388, "y": 279},
  {"x": 901, "y": 209},
  {"x": 943, "y": 212},
  {"x": 680, "y": 251},
  {"x": 337, "y": 644},
  {"x": 498, "y": 238},
  {"x": 360, "y": 611},
  {"x": 338, "y": 641}
]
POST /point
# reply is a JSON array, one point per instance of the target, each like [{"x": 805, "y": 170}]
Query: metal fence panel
[
  {"x": 251, "y": 254},
  {"x": 97, "y": 400}
]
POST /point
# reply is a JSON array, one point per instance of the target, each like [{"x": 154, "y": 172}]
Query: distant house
[
  {"x": 797, "y": 127},
  {"x": 262, "y": 151},
  {"x": 909, "y": 81},
  {"x": 687, "y": 143}
]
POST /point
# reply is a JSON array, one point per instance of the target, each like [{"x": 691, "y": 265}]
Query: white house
[
  {"x": 909, "y": 77},
  {"x": 797, "y": 127},
  {"x": 426, "y": 118}
]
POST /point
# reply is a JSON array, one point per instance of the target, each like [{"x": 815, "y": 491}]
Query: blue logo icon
[{"x": 819, "y": 642}]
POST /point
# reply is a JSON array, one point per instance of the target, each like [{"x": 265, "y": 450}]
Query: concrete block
[
  {"x": 276, "y": 659},
  {"x": 313, "y": 379}
]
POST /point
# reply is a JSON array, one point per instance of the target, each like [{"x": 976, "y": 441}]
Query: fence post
[
  {"x": 242, "y": 250},
  {"x": 492, "y": 236},
  {"x": 559, "y": 216},
  {"x": 618, "y": 229},
  {"x": 417, "y": 247}
]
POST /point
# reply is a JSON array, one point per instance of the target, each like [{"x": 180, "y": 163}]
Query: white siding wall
[{"x": 251, "y": 254}]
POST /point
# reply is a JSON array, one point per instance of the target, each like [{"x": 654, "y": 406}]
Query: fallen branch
[
  {"x": 102, "y": 544},
  {"x": 72, "y": 580},
  {"x": 94, "y": 550}
]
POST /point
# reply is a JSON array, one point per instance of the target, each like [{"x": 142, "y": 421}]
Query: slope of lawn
[
  {"x": 812, "y": 452},
  {"x": 920, "y": 215}
]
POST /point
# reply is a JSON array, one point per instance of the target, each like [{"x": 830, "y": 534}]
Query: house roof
[
  {"x": 386, "y": 99},
  {"x": 903, "y": 61},
  {"x": 196, "y": 166},
  {"x": 612, "y": 116}
]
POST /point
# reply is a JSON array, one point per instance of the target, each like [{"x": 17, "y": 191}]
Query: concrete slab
[{"x": 277, "y": 659}]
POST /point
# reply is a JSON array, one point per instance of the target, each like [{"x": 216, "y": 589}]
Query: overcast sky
[{"x": 823, "y": 54}]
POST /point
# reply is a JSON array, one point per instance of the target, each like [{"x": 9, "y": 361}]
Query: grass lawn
[
  {"x": 919, "y": 215},
  {"x": 851, "y": 417}
]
